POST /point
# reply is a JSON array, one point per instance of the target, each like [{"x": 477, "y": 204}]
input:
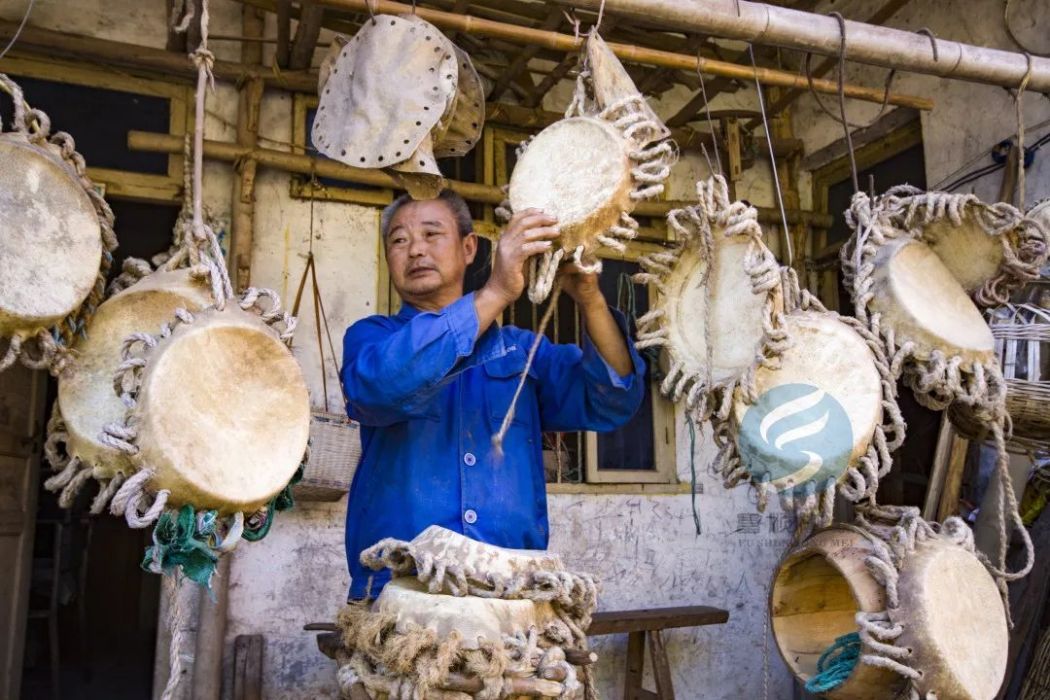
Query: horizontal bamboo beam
[
  {"x": 774, "y": 25},
  {"x": 634, "y": 54},
  {"x": 135, "y": 58},
  {"x": 475, "y": 192}
]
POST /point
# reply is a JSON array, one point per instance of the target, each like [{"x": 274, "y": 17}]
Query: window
[{"x": 84, "y": 101}]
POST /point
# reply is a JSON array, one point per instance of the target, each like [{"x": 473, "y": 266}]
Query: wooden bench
[
  {"x": 643, "y": 626},
  {"x": 640, "y": 626}
]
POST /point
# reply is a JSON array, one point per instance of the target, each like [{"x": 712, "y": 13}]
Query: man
[{"x": 431, "y": 385}]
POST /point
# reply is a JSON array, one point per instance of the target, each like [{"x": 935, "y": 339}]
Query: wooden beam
[
  {"x": 629, "y": 53},
  {"x": 472, "y": 191},
  {"x": 306, "y": 33},
  {"x": 621, "y": 621},
  {"x": 692, "y": 44},
  {"x": 880, "y": 16},
  {"x": 690, "y": 109},
  {"x": 144, "y": 59},
  {"x": 560, "y": 72},
  {"x": 521, "y": 61},
  {"x": 284, "y": 31},
  {"x": 243, "y": 219}
]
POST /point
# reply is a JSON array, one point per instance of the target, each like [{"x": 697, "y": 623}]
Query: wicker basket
[
  {"x": 335, "y": 449},
  {"x": 1022, "y": 340}
]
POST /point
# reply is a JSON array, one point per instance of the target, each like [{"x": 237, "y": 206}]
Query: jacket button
[
  {"x": 469, "y": 459},
  {"x": 470, "y": 517}
]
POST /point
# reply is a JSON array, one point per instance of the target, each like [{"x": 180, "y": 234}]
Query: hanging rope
[
  {"x": 497, "y": 439},
  {"x": 1019, "y": 105}
]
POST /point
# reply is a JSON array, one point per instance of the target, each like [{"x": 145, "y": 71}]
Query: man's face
[{"x": 425, "y": 253}]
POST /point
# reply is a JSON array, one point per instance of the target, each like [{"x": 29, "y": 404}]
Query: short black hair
[{"x": 455, "y": 203}]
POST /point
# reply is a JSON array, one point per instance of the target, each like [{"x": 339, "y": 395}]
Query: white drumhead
[
  {"x": 51, "y": 247},
  {"x": 474, "y": 619},
  {"x": 954, "y": 621},
  {"x": 577, "y": 170},
  {"x": 817, "y": 413},
  {"x": 922, "y": 302},
  {"x": 734, "y": 318},
  {"x": 223, "y": 412},
  {"x": 85, "y": 392}
]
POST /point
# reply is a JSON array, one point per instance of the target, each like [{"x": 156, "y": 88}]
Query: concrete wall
[{"x": 644, "y": 547}]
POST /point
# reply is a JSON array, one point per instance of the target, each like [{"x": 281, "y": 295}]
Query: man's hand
[
  {"x": 581, "y": 286},
  {"x": 529, "y": 232}
]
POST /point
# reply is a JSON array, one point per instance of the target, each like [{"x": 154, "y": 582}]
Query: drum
[
  {"x": 86, "y": 398},
  {"x": 186, "y": 435},
  {"x": 951, "y": 637},
  {"x": 921, "y": 302},
  {"x": 475, "y": 620},
  {"x": 990, "y": 249},
  {"x": 815, "y": 416},
  {"x": 461, "y": 616},
  {"x": 589, "y": 169},
  {"x": 718, "y": 293},
  {"x": 200, "y": 448},
  {"x": 57, "y": 243},
  {"x": 579, "y": 171}
]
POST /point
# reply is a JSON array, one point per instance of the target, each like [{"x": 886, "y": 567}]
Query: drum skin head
[
  {"x": 954, "y": 620},
  {"x": 577, "y": 170},
  {"x": 223, "y": 413},
  {"x": 481, "y": 560},
  {"x": 85, "y": 391},
  {"x": 51, "y": 247},
  {"x": 817, "y": 413},
  {"x": 734, "y": 321},
  {"x": 475, "y": 619},
  {"x": 922, "y": 302}
]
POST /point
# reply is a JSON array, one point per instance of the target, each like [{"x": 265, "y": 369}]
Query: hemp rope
[
  {"x": 406, "y": 660},
  {"x": 50, "y": 348},
  {"x": 938, "y": 381},
  {"x": 497, "y": 439}
]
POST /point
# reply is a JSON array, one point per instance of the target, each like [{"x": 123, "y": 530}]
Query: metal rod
[
  {"x": 805, "y": 31},
  {"x": 635, "y": 54}
]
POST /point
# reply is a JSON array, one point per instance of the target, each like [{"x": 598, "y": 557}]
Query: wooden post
[
  {"x": 632, "y": 686},
  {"x": 244, "y": 185}
]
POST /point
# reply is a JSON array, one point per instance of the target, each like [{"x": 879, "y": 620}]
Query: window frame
[{"x": 126, "y": 184}]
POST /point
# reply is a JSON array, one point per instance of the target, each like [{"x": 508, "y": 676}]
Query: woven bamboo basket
[
  {"x": 335, "y": 449},
  {"x": 1022, "y": 341}
]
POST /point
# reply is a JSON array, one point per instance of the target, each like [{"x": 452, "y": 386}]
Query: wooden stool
[{"x": 643, "y": 626}]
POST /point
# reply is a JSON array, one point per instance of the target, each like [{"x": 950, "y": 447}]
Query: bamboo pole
[
  {"x": 805, "y": 31},
  {"x": 323, "y": 167},
  {"x": 635, "y": 54}
]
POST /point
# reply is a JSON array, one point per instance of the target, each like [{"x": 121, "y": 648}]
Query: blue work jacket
[{"x": 430, "y": 394}]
